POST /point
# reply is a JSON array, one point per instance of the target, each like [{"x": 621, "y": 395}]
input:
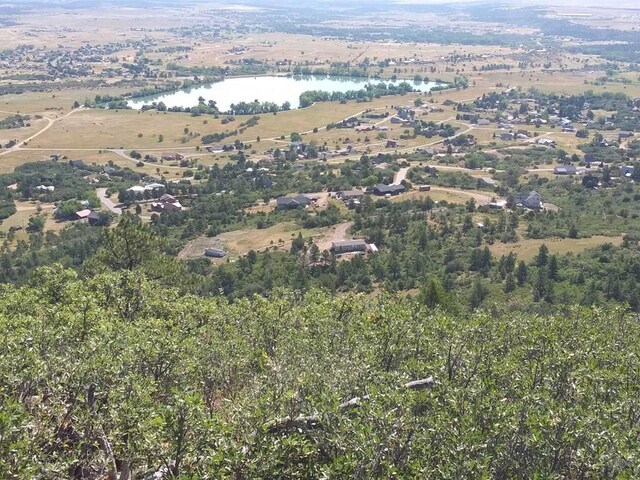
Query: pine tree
[{"x": 521, "y": 273}]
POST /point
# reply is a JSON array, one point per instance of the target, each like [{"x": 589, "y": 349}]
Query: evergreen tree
[{"x": 521, "y": 273}]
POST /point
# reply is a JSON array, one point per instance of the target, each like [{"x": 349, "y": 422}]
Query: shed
[{"x": 215, "y": 252}]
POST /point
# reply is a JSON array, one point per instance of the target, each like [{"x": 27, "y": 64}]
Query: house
[
  {"x": 44, "y": 188},
  {"x": 348, "y": 246},
  {"x": 109, "y": 170},
  {"x": 626, "y": 171},
  {"x": 172, "y": 207},
  {"x": 165, "y": 206},
  {"x": 383, "y": 190},
  {"x": 348, "y": 196},
  {"x": 487, "y": 181},
  {"x": 97, "y": 219},
  {"x": 172, "y": 156},
  {"x": 287, "y": 203},
  {"x": 82, "y": 214},
  {"x": 532, "y": 200},
  {"x": 507, "y": 136},
  {"x": 565, "y": 170},
  {"x": 545, "y": 142},
  {"x": 625, "y": 134},
  {"x": 594, "y": 164},
  {"x": 214, "y": 252},
  {"x": 568, "y": 128},
  {"x": 429, "y": 152},
  {"x": 398, "y": 120},
  {"x": 214, "y": 148},
  {"x": 167, "y": 203},
  {"x": 77, "y": 163},
  {"x": 166, "y": 198},
  {"x": 484, "y": 122},
  {"x": 151, "y": 179},
  {"x": 391, "y": 144}
]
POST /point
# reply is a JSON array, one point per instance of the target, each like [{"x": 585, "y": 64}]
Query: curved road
[{"x": 106, "y": 202}]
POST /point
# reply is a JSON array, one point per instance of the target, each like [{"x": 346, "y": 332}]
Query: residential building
[
  {"x": 488, "y": 181},
  {"x": 532, "y": 200},
  {"x": 507, "y": 136},
  {"x": 383, "y": 190},
  {"x": 350, "y": 195},
  {"x": 627, "y": 170},
  {"x": 97, "y": 219},
  {"x": 565, "y": 170},
  {"x": 287, "y": 203},
  {"x": 82, "y": 214},
  {"x": 348, "y": 246}
]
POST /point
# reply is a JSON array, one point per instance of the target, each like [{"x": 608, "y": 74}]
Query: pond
[{"x": 276, "y": 89}]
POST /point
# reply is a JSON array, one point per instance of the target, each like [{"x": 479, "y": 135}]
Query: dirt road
[
  {"x": 400, "y": 175},
  {"x": 50, "y": 122},
  {"x": 480, "y": 198},
  {"x": 338, "y": 234}
]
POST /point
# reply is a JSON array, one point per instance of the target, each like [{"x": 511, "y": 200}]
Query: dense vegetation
[
  {"x": 117, "y": 374},
  {"x": 368, "y": 93},
  {"x": 467, "y": 342}
]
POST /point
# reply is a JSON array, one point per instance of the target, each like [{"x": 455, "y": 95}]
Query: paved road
[{"x": 106, "y": 202}]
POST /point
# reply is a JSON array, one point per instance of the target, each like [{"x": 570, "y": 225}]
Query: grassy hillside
[{"x": 119, "y": 377}]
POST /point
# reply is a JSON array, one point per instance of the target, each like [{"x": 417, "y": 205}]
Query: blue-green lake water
[{"x": 276, "y": 89}]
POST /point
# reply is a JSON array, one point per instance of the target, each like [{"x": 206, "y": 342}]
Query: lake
[{"x": 276, "y": 89}]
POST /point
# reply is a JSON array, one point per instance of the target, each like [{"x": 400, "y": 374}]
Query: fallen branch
[{"x": 420, "y": 384}]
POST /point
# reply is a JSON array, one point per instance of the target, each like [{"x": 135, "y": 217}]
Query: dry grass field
[
  {"x": 25, "y": 210},
  {"x": 55, "y": 101},
  {"x": 238, "y": 243},
  {"x": 528, "y": 248},
  {"x": 272, "y": 47},
  {"x": 23, "y": 133}
]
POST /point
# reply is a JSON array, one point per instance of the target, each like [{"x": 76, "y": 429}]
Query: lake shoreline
[{"x": 275, "y": 89}]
